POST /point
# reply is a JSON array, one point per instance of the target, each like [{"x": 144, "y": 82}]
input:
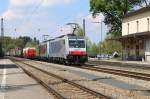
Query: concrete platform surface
[{"x": 15, "y": 84}]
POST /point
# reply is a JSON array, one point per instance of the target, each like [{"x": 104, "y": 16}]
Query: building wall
[
  {"x": 136, "y": 24},
  {"x": 147, "y": 50}
]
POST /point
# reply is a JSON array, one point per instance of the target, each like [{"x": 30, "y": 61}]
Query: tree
[
  {"x": 1, "y": 50},
  {"x": 8, "y": 43},
  {"x": 79, "y": 31},
  {"x": 31, "y": 44},
  {"x": 93, "y": 50},
  {"x": 25, "y": 40},
  {"x": 109, "y": 45},
  {"x": 114, "y": 10}
]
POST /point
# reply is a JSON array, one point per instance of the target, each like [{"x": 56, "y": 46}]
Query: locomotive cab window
[{"x": 76, "y": 43}]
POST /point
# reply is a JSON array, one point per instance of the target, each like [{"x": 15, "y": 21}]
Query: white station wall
[{"x": 136, "y": 24}]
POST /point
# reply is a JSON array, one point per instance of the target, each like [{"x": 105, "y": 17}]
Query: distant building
[{"x": 136, "y": 35}]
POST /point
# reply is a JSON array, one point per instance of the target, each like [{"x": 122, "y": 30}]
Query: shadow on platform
[
  {"x": 9, "y": 88},
  {"x": 7, "y": 66},
  {"x": 14, "y": 73}
]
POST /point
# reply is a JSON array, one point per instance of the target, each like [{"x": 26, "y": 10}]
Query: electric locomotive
[{"x": 69, "y": 49}]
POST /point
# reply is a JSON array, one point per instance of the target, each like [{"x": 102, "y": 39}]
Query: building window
[
  {"x": 148, "y": 23},
  {"x": 128, "y": 28},
  {"x": 137, "y": 23}
]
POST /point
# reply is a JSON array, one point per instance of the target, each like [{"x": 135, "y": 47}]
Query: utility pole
[
  {"x": 2, "y": 27},
  {"x": 2, "y": 38},
  {"x": 84, "y": 28},
  {"x": 101, "y": 37}
]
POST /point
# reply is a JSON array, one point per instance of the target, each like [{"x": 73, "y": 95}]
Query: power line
[{"x": 27, "y": 18}]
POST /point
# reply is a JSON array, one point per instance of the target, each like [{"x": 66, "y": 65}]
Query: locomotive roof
[{"x": 71, "y": 36}]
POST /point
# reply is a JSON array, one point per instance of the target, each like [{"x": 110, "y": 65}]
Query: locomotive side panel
[
  {"x": 43, "y": 50},
  {"x": 57, "y": 48}
]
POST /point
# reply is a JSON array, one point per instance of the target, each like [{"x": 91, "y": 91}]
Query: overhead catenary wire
[{"x": 29, "y": 15}]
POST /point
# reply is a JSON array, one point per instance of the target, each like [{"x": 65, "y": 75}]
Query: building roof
[
  {"x": 142, "y": 34},
  {"x": 142, "y": 10}
]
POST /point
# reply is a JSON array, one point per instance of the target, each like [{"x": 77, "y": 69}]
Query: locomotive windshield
[{"x": 76, "y": 43}]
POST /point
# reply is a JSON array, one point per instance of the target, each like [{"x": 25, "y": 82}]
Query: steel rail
[
  {"x": 137, "y": 75},
  {"x": 141, "y": 76},
  {"x": 124, "y": 65},
  {"x": 48, "y": 88},
  {"x": 97, "y": 94}
]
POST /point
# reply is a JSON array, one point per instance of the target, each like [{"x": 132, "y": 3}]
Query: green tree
[
  {"x": 114, "y": 10},
  {"x": 8, "y": 43},
  {"x": 79, "y": 31},
  {"x": 1, "y": 50},
  {"x": 31, "y": 44},
  {"x": 110, "y": 45},
  {"x": 93, "y": 50},
  {"x": 25, "y": 40}
]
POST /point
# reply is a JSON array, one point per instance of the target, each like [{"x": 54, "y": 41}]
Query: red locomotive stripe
[{"x": 77, "y": 53}]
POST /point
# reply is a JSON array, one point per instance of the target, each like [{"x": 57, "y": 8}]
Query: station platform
[{"x": 15, "y": 84}]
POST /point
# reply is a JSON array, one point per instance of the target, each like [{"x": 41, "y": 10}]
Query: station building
[{"x": 136, "y": 35}]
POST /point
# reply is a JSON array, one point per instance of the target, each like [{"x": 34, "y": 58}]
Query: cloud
[
  {"x": 44, "y": 3},
  {"x": 26, "y": 17},
  {"x": 9, "y": 15}
]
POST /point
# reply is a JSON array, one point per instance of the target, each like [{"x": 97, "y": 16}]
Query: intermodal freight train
[{"x": 68, "y": 49}]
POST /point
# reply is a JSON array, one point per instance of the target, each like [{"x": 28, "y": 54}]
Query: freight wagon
[{"x": 29, "y": 52}]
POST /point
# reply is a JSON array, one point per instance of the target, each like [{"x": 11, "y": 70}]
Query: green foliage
[
  {"x": 93, "y": 49},
  {"x": 21, "y": 42},
  {"x": 1, "y": 50},
  {"x": 109, "y": 45},
  {"x": 79, "y": 31},
  {"x": 114, "y": 10}
]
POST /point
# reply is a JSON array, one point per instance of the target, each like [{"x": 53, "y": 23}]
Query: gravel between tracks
[
  {"x": 94, "y": 85},
  {"x": 63, "y": 88},
  {"x": 133, "y": 81}
]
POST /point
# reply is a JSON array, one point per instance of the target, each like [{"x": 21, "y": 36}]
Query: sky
[{"x": 36, "y": 18}]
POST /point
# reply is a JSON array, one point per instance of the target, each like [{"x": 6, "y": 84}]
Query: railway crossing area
[{"x": 28, "y": 79}]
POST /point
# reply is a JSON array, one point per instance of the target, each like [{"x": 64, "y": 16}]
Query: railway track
[
  {"x": 119, "y": 64},
  {"x": 125, "y": 73},
  {"x": 136, "y": 75},
  {"x": 60, "y": 87}
]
